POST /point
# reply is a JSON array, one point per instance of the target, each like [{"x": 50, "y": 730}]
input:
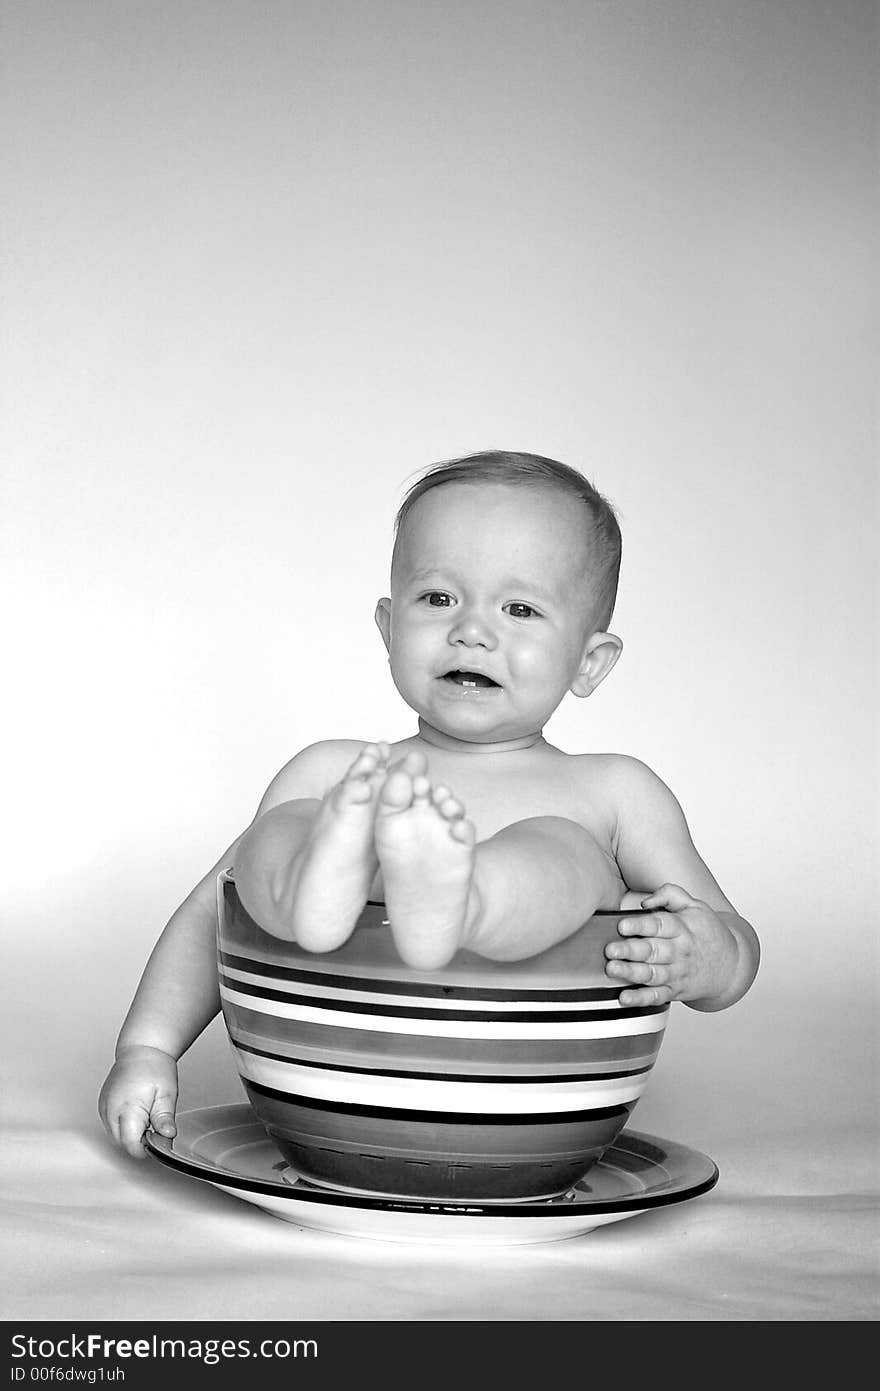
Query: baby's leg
[
  {"x": 535, "y": 883},
  {"x": 527, "y": 887},
  {"x": 426, "y": 849},
  {"x": 305, "y": 869}
]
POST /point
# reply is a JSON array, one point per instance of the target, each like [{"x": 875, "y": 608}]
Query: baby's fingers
[
  {"x": 650, "y": 949},
  {"x": 651, "y": 925},
  {"x": 649, "y": 983},
  {"x": 670, "y": 896},
  {"x": 133, "y": 1121},
  {"x": 162, "y": 1116},
  {"x": 639, "y": 972},
  {"x": 643, "y": 996}
]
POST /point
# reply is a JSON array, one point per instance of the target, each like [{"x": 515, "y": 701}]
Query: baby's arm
[
  {"x": 176, "y": 999},
  {"x": 695, "y": 946}
]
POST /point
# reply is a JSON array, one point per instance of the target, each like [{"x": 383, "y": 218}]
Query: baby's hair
[{"x": 502, "y": 466}]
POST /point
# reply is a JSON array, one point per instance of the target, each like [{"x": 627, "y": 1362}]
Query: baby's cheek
[{"x": 530, "y": 661}]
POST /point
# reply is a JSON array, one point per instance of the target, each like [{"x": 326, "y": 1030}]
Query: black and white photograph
[{"x": 438, "y": 533}]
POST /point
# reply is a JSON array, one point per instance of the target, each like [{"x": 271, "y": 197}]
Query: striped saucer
[{"x": 483, "y": 1081}]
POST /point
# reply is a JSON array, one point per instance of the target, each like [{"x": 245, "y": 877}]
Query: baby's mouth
[{"x": 470, "y": 680}]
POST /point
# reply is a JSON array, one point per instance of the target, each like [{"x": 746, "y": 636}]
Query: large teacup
[{"x": 479, "y": 1081}]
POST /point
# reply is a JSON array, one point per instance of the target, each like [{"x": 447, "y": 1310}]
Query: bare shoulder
[
  {"x": 312, "y": 771},
  {"x": 634, "y": 800},
  {"x": 651, "y": 839},
  {"x": 621, "y": 776}
]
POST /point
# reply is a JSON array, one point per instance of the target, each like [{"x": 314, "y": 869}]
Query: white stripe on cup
[
  {"x": 450, "y": 1028},
  {"x": 406, "y": 1093},
  {"x": 323, "y": 992}
]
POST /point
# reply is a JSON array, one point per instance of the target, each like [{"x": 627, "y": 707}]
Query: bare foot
[
  {"x": 339, "y": 860},
  {"x": 426, "y": 850}
]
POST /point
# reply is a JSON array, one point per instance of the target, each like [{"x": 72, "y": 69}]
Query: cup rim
[
  {"x": 599, "y": 913},
  {"x": 228, "y": 875}
]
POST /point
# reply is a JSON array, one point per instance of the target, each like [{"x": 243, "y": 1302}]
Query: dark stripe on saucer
[
  {"x": 494, "y": 1078},
  {"x": 552, "y": 1207},
  {"x": 401, "y": 1113}
]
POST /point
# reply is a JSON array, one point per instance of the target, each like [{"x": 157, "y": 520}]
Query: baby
[{"x": 475, "y": 832}]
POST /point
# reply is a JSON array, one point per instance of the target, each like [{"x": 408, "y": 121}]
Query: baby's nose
[{"x": 473, "y": 628}]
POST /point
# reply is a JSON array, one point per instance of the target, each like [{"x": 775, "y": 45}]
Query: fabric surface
[
  {"x": 90, "y": 1233},
  {"x": 790, "y": 1231}
]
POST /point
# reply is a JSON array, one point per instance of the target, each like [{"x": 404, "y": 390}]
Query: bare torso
[{"x": 499, "y": 788}]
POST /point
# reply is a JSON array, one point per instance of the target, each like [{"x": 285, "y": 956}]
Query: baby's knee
[{"x": 558, "y": 831}]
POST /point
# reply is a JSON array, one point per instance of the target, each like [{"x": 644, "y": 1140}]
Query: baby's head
[
  {"x": 503, "y": 580},
  {"x": 597, "y": 546}
]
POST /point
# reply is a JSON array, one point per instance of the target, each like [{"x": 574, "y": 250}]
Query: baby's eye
[
  {"x": 438, "y": 599},
  {"x": 521, "y": 611}
]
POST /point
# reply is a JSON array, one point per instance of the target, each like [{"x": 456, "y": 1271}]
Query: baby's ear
[
  {"x": 600, "y": 655},
  {"x": 383, "y": 621}
]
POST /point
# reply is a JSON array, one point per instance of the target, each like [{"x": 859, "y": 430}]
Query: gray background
[{"x": 264, "y": 261}]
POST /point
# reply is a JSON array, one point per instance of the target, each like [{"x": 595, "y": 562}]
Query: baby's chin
[
  {"x": 448, "y": 735},
  {"x": 468, "y": 719}
]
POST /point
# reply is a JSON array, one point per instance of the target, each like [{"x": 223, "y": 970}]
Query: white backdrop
[{"x": 266, "y": 261}]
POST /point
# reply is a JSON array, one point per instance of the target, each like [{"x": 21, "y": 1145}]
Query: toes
[
  {"x": 407, "y": 785},
  {"x": 447, "y": 803},
  {"x": 448, "y": 806},
  {"x": 365, "y": 763},
  {"x": 405, "y": 780},
  {"x": 414, "y": 763},
  {"x": 396, "y": 793},
  {"x": 371, "y": 763},
  {"x": 421, "y": 787},
  {"x": 463, "y": 831}
]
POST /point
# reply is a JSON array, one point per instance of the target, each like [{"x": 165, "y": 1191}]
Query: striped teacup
[{"x": 480, "y": 1081}]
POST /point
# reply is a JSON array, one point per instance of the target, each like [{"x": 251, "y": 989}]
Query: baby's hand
[
  {"x": 140, "y": 1093},
  {"x": 683, "y": 953}
]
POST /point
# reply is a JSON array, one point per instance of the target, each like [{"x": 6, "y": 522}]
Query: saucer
[{"x": 226, "y": 1147}]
